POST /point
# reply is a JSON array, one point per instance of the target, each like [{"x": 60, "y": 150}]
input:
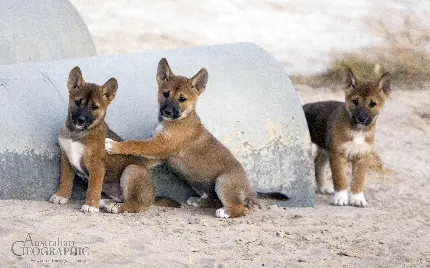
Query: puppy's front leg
[
  {"x": 95, "y": 182},
  {"x": 359, "y": 169},
  {"x": 337, "y": 165},
  {"x": 66, "y": 182},
  {"x": 158, "y": 147}
]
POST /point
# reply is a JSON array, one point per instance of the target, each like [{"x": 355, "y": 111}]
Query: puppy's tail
[
  {"x": 254, "y": 200},
  {"x": 164, "y": 201},
  {"x": 272, "y": 195}
]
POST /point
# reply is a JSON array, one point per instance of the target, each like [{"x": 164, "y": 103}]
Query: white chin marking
[
  {"x": 194, "y": 201},
  {"x": 89, "y": 209},
  {"x": 79, "y": 127},
  {"x": 325, "y": 190},
  {"x": 55, "y": 199},
  {"x": 340, "y": 198},
  {"x": 167, "y": 118},
  {"x": 221, "y": 213},
  {"x": 357, "y": 200}
]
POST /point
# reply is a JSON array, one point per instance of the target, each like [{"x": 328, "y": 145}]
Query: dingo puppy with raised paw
[{"x": 190, "y": 149}]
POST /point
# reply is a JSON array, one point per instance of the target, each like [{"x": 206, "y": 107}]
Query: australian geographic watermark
[{"x": 58, "y": 247}]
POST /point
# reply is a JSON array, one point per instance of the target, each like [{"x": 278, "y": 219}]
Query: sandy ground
[{"x": 394, "y": 231}]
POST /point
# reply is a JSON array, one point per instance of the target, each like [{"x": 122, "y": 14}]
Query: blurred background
[{"x": 312, "y": 39}]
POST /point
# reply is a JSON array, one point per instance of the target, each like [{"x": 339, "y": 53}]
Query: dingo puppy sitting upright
[
  {"x": 190, "y": 149},
  {"x": 82, "y": 138}
]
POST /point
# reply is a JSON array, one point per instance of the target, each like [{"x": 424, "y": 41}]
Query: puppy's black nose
[
  {"x": 167, "y": 113},
  {"x": 361, "y": 119},
  {"x": 80, "y": 120}
]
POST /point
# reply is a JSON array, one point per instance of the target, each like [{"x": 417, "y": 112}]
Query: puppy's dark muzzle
[
  {"x": 169, "y": 112},
  {"x": 81, "y": 122},
  {"x": 362, "y": 118}
]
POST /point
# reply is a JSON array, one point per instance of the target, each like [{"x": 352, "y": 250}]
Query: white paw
[
  {"x": 55, "y": 199},
  {"x": 340, "y": 198},
  {"x": 221, "y": 213},
  {"x": 108, "y": 145},
  {"x": 110, "y": 206},
  {"x": 194, "y": 201},
  {"x": 325, "y": 190},
  {"x": 89, "y": 209},
  {"x": 357, "y": 200}
]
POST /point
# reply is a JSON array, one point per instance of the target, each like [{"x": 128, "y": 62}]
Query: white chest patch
[
  {"x": 74, "y": 150},
  {"x": 357, "y": 146}
]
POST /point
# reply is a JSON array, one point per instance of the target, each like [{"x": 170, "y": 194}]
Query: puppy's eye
[
  {"x": 182, "y": 99},
  {"x": 166, "y": 94},
  {"x": 94, "y": 107},
  {"x": 78, "y": 102},
  {"x": 355, "y": 101},
  {"x": 372, "y": 104}
]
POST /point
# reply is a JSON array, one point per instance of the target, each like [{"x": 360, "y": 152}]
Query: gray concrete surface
[
  {"x": 34, "y": 30},
  {"x": 249, "y": 104}
]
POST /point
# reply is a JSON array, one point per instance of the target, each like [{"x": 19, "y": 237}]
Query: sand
[{"x": 393, "y": 231}]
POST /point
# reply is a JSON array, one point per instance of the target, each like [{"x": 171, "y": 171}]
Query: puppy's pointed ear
[
  {"x": 350, "y": 80},
  {"x": 384, "y": 83},
  {"x": 76, "y": 80},
  {"x": 109, "y": 89},
  {"x": 164, "y": 73},
  {"x": 200, "y": 80}
]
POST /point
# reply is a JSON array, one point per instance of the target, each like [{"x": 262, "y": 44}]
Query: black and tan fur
[
  {"x": 122, "y": 178},
  {"x": 345, "y": 132}
]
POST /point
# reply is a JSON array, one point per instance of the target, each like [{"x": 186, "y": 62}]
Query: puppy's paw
[
  {"x": 222, "y": 213},
  {"x": 325, "y": 190},
  {"x": 56, "y": 199},
  {"x": 89, "y": 209},
  {"x": 340, "y": 198},
  {"x": 194, "y": 201},
  {"x": 110, "y": 145},
  {"x": 110, "y": 206},
  {"x": 357, "y": 200}
]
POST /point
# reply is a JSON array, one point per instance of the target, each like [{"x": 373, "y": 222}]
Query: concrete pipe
[
  {"x": 34, "y": 30},
  {"x": 250, "y": 105}
]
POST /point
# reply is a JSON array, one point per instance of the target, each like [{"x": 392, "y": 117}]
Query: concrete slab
[
  {"x": 249, "y": 104},
  {"x": 34, "y": 30}
]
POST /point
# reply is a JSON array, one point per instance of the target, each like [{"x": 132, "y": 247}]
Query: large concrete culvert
[
  {"x": 249, "y": 104},
  {"x": 34, "y": 30}
]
